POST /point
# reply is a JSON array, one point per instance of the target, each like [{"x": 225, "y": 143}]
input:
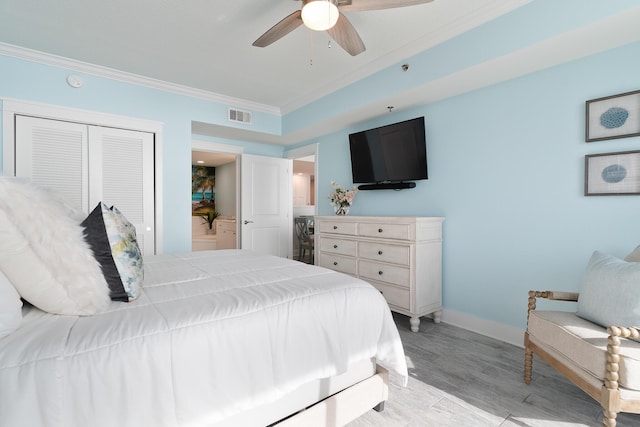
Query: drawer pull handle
[
  {"x": 379, "y": 252},
  {"x": 335, "y": 246},
  {"x": 380, "y": 272},
  {"x": 379, "y": 230},
  {"x": 335, "y": 227},
  {"x": 335, "y": 262}
]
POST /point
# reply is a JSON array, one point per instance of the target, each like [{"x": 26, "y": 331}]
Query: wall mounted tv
[{"x": 389, "y": 157}]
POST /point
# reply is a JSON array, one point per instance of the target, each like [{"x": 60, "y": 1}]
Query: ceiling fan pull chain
[{"x": 311, "y": 47}]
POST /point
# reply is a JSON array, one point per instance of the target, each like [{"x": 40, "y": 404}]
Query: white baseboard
[{"x": 508, "y": 334}]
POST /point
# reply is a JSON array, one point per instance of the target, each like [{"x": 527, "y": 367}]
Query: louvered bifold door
[
  {"x": 53, "y": 154},
  {"x": 122, "y": 175}
]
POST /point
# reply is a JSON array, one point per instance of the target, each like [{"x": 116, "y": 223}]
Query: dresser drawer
[
  {"x": 225, "y": 225},
  {"x": 387, "y": 253},
  {"x": 337, "y": 227},
  {"x": 386, "y": 231},
  {"x": 398, "y": 297},
  {"x": 337, "y": 246},
  {"x": 337, "y": 263},
  {"x": 394, "y": 274}
]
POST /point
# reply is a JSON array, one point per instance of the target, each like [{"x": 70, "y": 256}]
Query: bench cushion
[{"x": 585, "y": 344}]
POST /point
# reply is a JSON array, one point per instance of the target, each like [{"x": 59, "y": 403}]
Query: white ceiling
[
  {"x": 207, "y": 158},
  {"x": 204, "y": 46}
]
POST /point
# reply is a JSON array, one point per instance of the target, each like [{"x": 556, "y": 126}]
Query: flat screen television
[{"x": 389, "y": 156}]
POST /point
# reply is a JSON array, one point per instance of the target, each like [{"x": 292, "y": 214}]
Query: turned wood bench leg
[
  {"x": 528, "y": 365},
  {"x": 609, "y": 418}
]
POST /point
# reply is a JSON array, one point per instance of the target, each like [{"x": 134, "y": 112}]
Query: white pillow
[
  {"x": 43, "y": 252},
  {"x": 10, "y": 307},
  {"x": 610, "y": 294}
]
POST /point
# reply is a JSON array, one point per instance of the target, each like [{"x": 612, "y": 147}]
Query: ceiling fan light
[{"x": 319, "y": 15}]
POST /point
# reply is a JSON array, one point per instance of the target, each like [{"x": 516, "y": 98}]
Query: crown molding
[{"x": 110, "y": 73}]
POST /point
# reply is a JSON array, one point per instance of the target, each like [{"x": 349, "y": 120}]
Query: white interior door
[
  {"x": 121, "y": 174},
  {"x": 266, "y": 205},
  {"x": 87, "y": 164}
]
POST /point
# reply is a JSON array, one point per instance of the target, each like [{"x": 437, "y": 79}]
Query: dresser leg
[
  {"x": 437, "y": 315},
  {"x": 415, "y": 323}
]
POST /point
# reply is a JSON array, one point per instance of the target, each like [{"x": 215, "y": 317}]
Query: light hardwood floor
[{"x": 462, "y": 379}]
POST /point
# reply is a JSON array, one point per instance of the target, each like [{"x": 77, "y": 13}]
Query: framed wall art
[
  {"x": 616, "y": 116},
  {"x": 612, "y": 174}
]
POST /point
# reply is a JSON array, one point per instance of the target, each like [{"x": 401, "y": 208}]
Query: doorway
[
  {"x": 214, "y": 198},
  {"x": 304, "y": 185}
]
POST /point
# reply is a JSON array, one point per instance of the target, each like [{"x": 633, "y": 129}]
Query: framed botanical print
[
  {"x": 611, "y": 174},
  {"x": 616, "y": 116}
]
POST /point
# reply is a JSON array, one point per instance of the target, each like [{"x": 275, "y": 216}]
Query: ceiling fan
[{"x": 326, "y": 15}]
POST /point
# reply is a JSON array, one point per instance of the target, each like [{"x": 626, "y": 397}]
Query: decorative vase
[
  {"x": 210, "y": 231},
  {"x": 341, "y": 210}
]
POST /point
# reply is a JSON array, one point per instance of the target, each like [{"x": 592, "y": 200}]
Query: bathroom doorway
[{"x": 214, "y": 200}]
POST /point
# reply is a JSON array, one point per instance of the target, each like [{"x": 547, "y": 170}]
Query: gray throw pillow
[{"x": 610, "y": 294}]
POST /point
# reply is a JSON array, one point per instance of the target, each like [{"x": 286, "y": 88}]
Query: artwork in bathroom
[{"x": 203, "y": 182}]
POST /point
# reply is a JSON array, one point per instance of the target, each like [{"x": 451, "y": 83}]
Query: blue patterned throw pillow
[
  {"x": 125, "y": 251},
  {"x": 113, "y": 240}
]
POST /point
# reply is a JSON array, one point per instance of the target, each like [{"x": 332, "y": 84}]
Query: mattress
[{"x": 213, "y": 334}]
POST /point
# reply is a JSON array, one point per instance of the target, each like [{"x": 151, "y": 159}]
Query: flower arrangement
[{"x": 341, "y": 198}]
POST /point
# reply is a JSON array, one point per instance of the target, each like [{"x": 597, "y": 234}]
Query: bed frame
[{"x": 328, "y": 402}]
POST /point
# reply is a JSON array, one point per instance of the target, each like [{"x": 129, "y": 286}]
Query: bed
[{"x": 215, "y": 338}]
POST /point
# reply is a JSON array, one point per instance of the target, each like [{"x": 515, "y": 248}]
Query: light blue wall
[
  {"x": 29, "y": 81},
  {"x": 506, "y": 168},
  {"x": 533, "y": 23},
  {"x": 505, "y": 162}
]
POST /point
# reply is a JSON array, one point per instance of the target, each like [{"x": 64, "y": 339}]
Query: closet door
[
  {"x": 87, "y": 164},
  {"x": 121, "y": 174},
  {"x": 53, "y": 154}
]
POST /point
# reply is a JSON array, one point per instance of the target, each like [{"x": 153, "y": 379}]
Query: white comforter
[{"x": 212, "y": 334}]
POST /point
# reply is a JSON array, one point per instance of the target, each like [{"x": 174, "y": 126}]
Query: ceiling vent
[{"x": 239, "y": 116}]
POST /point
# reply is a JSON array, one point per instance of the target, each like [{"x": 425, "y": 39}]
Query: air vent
[{"x": 239, "y": 116}]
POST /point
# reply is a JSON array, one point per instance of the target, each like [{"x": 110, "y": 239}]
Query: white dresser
[{"x": 400, "y": 256}]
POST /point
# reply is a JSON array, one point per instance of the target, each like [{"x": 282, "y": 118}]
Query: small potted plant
[{"x": 209, "y": 215}]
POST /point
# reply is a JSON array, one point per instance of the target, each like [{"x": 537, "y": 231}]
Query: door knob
[{"x": 245, "y": 222}]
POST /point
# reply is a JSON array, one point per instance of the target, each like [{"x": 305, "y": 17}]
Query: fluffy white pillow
[
  {"x": 44, "y": 254},
  {"x": 10, "y": 307},
  {"x": 610, "y": 294}
]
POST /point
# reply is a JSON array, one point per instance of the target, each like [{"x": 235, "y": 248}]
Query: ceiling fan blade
[
  {"x": 361, "y": 5},
  {"x": 281, "y": 29},
  {"x": 346, "y": 36}
]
